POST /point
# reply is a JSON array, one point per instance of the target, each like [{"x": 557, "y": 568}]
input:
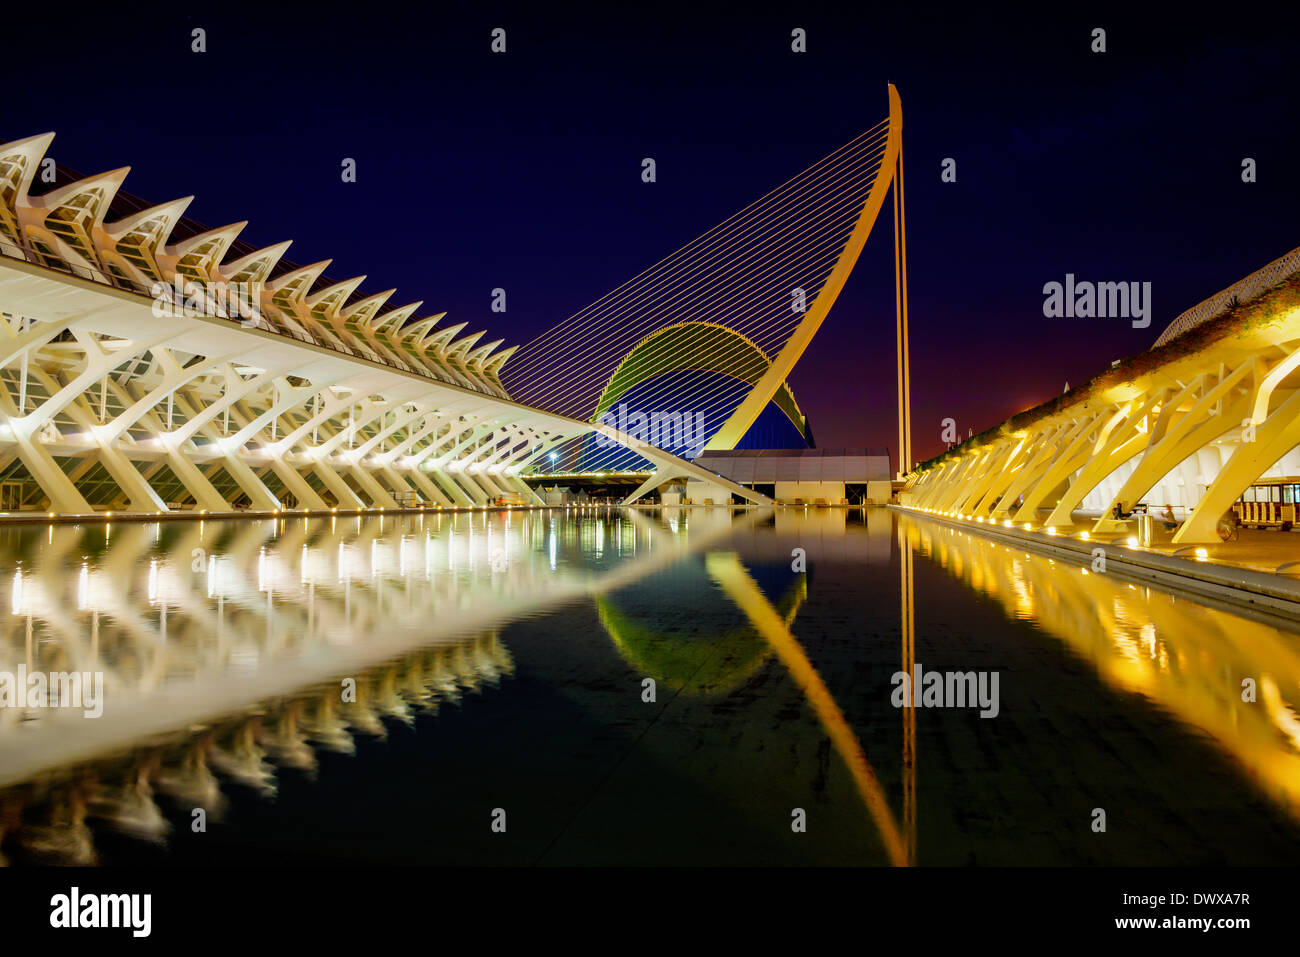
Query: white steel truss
[{"x": 129, "y": 381}]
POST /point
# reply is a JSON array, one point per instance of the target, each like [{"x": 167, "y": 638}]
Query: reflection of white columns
[{"x": 279, "y": 607}]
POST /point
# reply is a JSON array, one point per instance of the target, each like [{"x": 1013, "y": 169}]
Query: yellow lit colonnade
[
  {"x": 149, "y": 364},
  {"x": 1211, "y": 409}
]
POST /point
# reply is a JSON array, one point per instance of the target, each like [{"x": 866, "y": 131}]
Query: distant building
[{"x": 813, "y": 476}]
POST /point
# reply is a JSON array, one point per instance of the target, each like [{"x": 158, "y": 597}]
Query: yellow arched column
[{"x": 734, "y": 429}]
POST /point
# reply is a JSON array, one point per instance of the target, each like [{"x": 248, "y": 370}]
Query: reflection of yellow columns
[
  {"x": 908, "y": 631},
  {"x": 726, "y": 570},
  {"x": 1187, "y": 658}
]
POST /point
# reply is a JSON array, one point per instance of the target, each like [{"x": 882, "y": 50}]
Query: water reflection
[
  {"x": 224, "y": 646},
  {"x": 1186, "y": 657},
  {"x": 771, "y": 636}
]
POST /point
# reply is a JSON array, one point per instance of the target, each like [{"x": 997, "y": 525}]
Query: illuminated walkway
[
  {"x": 1213, "y": 408},
  {"x": 1258, "y": 572}
]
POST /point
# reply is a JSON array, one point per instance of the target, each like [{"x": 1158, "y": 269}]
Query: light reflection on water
[
  {"x": 1233, "y": 677},
  {"x": 225, "y": 645}
]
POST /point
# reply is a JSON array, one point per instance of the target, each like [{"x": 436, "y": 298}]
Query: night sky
[{"x": 522, "y": 170}]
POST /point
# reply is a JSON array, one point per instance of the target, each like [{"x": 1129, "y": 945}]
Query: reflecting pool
[{"x": 605, "y": 686}]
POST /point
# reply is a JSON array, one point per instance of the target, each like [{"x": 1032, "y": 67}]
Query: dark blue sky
[{"x": 523, "y": 171}]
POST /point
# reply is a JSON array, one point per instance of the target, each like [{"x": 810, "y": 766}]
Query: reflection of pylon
[
  {"x": 908, "y": 631},
  {"x": 900, "y": 308},
  {"x": 734, "y": 579}
]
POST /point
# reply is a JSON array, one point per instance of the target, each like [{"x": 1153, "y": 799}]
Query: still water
[{"x": 690, "y": 686}]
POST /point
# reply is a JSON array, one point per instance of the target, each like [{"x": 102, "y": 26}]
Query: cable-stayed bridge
[{"x": 695, "y": 350}]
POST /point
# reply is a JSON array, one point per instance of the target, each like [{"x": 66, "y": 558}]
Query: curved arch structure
[{"x": 699, "y": 346}]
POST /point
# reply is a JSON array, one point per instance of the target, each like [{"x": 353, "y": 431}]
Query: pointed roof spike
[
  {"x": 366, "y": 309},
  {"x": 494, "y": 364},
  {"x": 40, "y": 142},
  {"x": 60, "y": 195},
  {"x": 338, "y": 292},
  {"x": 109, "y": 182},
  {"x": 32, "y": 147},
  {"x": 461, "y": 346},
  {"x": 226, "y": 233},
  {"x": 416, "y": 330},
  {"x": 314, "y": 271},
  {"x": 482, "y": 352},
  {"x": 257, "y": 264},
  {"x": 391, "y": 321},
  {"x": 168, "y": 218},
  {"x": 172, "y": 212},
  {"x": 443, "y": 336}
]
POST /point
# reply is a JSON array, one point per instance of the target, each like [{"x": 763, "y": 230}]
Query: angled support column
[
  {"x": 1049, "y": 469},
  {"x": 1207, "y": 420},
  {"x": 295, "y": 483},
  {"x": 196, "y": 483},
  {"x": 959, "y": 484},
  {"x": 1125, "y": 436},
  {"x": 470, "y": 487},
  {"x": 458, "y": 495},
  {"x": 1277, "y": 435},
  {"x": 379, "y": 496},
  {"x": 426, "y": 486},
  {"x": 1034, "y": 455},
  {"x": 343, "y": 493},
  {"x": 993, "y": 461},
  {"x": 665, "y": 473},
  {"x": 998, "y": 478},
  {"x": 526, "y": 490}
]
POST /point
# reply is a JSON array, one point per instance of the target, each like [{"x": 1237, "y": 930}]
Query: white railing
[{"x": 1247, "y": 289}]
